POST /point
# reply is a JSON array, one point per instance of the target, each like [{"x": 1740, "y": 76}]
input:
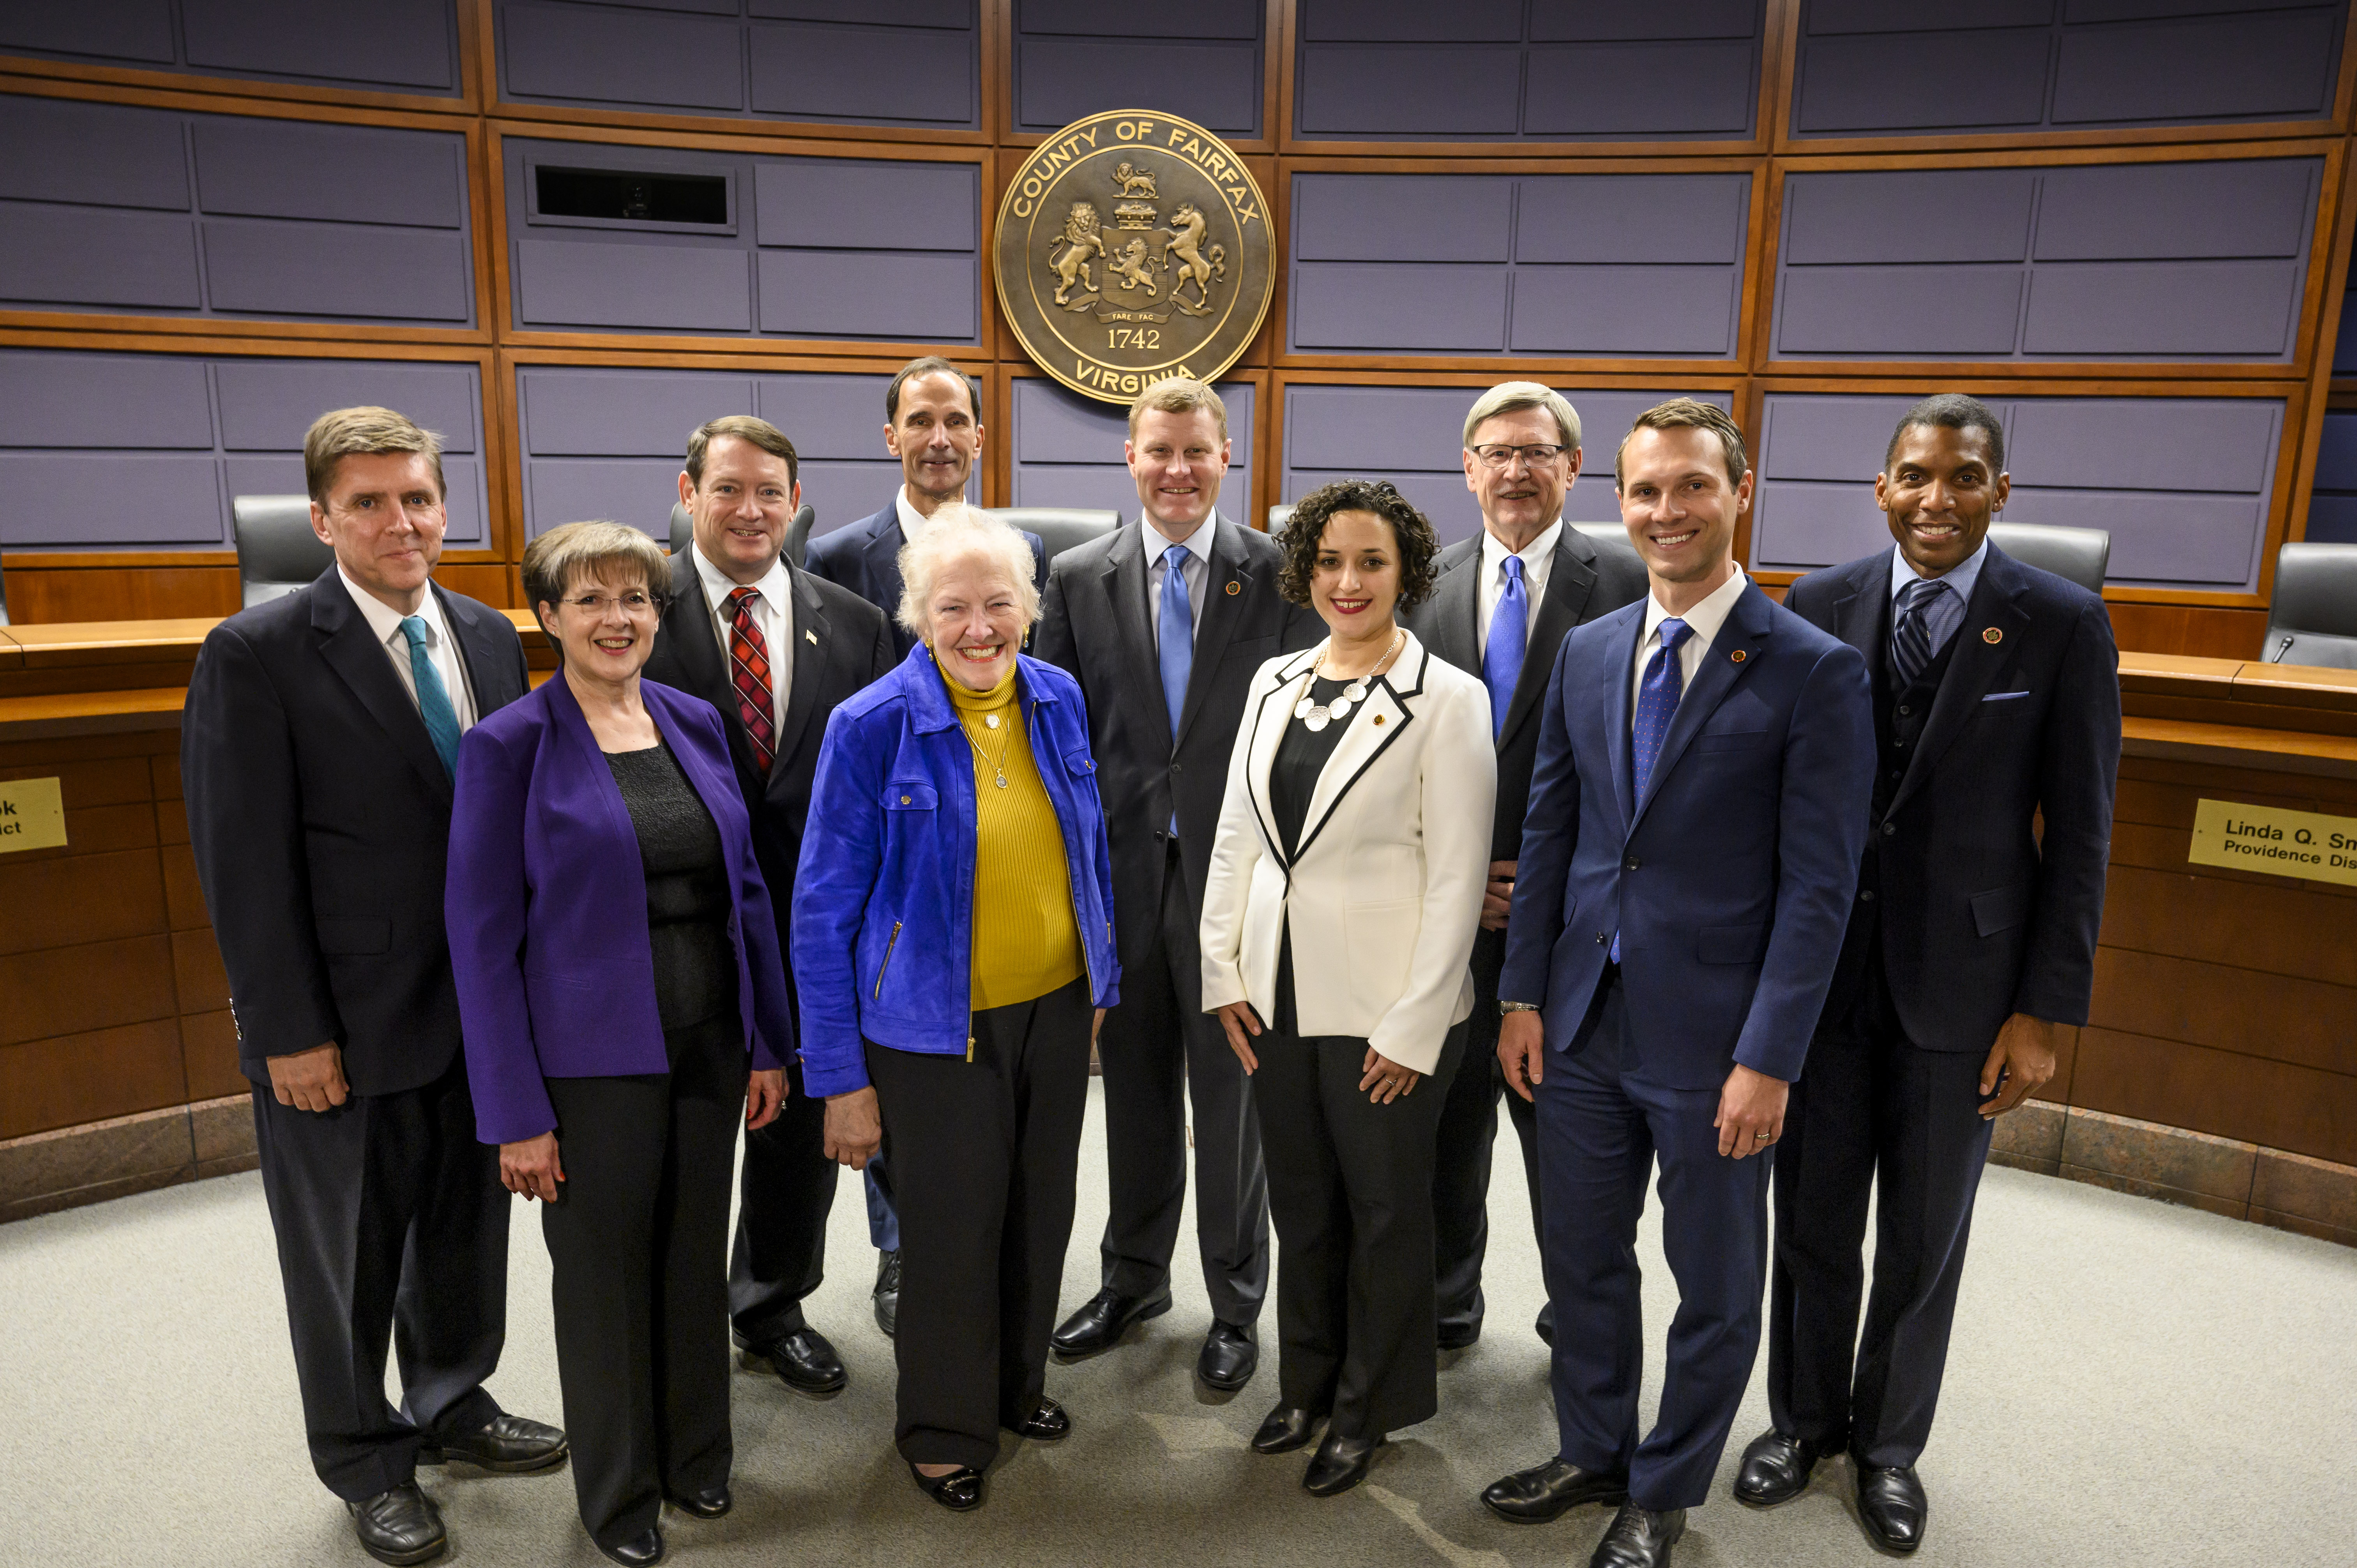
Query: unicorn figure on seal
[{"x": 1195, "y": 265}]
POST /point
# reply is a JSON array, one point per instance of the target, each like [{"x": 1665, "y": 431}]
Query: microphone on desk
[{"x": 2284, "y": 647}]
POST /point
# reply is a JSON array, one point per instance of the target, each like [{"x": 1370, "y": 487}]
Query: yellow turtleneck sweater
[{"x": 1026, "y": 941}]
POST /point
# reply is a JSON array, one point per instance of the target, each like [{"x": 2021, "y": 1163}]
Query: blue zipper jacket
[{"x": 883, "y": 919}]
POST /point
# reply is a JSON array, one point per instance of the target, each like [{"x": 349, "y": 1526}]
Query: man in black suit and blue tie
[
  {"x": 1972, "y": 939},
  {"x": 1687, "y": 862}
]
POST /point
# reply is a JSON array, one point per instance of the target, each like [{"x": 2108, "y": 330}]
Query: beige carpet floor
[{"x": 2131, "y": 1384}]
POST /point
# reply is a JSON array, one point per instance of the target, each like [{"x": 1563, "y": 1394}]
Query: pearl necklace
[{"x": 1316, "y": 716}]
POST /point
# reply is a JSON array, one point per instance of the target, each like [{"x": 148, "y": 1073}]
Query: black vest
[{"x": 1899, "y": 718}]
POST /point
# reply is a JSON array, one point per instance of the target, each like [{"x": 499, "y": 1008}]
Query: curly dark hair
[{"x": 1418, "y": 546}]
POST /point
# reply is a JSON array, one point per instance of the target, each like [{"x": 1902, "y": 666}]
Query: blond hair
[
  {"x": 1177, "y": 394},
  {"x": 363, "y": 432},
  {"x": 954, "y": 533},
  {"x": 1512, "y": 397}
]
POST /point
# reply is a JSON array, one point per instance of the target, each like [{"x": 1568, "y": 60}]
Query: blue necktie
[
  {"x": 1176, "y": 643},
  {"x": 1510, "y": 636},
  {"x": 432, "y": 697},
  {"x": 1657, "y": 704},
  {"x": 1910, "y": 634}
]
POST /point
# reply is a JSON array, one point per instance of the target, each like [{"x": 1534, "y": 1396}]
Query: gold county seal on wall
[{"x": 1133, "y": 246}]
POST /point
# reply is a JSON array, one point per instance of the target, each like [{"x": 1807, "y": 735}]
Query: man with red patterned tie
[{"x": 774, "y": 649}]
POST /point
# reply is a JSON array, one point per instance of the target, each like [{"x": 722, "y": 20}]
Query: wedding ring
[{"x": 1761, "y": 1137}]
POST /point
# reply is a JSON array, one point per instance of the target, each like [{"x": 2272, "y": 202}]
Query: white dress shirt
[
  {"x": 1703, "y": 622},
  {"x": 773, "y": 612},
  {"x": 384, "y": 621},
  {"x": 1538, "y": 558},
  {"x": 1196, "y": 571}
]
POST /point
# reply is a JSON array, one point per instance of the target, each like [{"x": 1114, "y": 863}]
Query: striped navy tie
[{"x": 1911, "y": 637}]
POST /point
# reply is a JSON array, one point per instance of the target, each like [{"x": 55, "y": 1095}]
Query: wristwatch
[{"x": 1505, "y": 1007}]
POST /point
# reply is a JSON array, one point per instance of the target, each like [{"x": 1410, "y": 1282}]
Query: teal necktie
[{"x": 432, "y": 697}]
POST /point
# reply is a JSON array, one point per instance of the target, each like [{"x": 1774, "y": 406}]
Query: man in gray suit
[
  {"x": 1505, "y": 599},
  {"x": 1164, "y": 623}
]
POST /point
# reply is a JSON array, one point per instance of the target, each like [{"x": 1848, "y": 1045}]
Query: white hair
[
  {"x": 1512, "y": 397},
  {"x": 957, "y": 532}
]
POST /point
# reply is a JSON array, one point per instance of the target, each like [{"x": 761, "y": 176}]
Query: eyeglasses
[
  {"x": 638, "y": 602},
  {"x": 1502, "y": 455}
]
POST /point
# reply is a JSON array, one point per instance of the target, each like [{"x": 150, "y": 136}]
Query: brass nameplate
[
  {"x": 2277, "y": 842},
  {"x": 1131, "y": 247},
  {"x": 32, "y": 814}
]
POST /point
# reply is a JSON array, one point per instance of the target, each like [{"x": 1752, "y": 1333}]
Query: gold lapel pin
[
  {"x": 1234, "y": 588},
  {"x": 811, "y": 635},
  {"x": 1738, "y": 656},
  {"x": 1992, "y": 637},
  {"x": 1379, "y": 720}
]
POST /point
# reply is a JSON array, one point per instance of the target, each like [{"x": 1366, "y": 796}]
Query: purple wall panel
[
  {"x": 849, "y": 203},
  {"x": 1826, "y": 438},
  {"x": 1442, "y": 497},
  {"x": 1410, "y": 21},
  {"x": 889, "y": 74},
  {"x": 1457, "y": 217},
  {"x": 869, "y": 294},
  {"x": 2242, "y": 309},
  {"x": 1871, "y": 216},
  {"x": 1202, "y": 19},
  {"x": 267, "y": 406},
  {"x": 842, "y": 492},
  {"x": 2150, "y": 444},
  {"x": 150, "y": 500},
  {"x": 829, "y": 417},
  {"x": 88, "y": 401},
  {"x": 97, "y": 154},
  {"x": 393, "y": 43},
  {"x": 619, "y": 413},
  {"x": 1869, "y": 83},
  {"x": 621, "y": 57},
  {"x": 2332, "y": 508},
  {"x": 1060, "y": 80},
  {"x": 1067, "y": 450},
  {"x": 2244, "y": 206},
  {"x": 1629, "y": 218},
  {"x": 83, "y": 255},
  {"x": 2241, "y": 68},
  {"x": 1351, "y": 92},
  {"x": 1899, "y": 16},
  {"x": 345, "y": 174},
  {"x": 348, "y": 270},
  {"x": 1900, "y": 312},
  {"x": 639, "y": 491},
  {"x": 1632, "y": 90},
  {"x": 900, "y": 12},
  {"x": 1611, "y": 19},
  {"x": 1609, "y": 311},
  {"x": 282, "y": 474},
  {"x": 133, "y": 31},
  {"x": 1419, "y": 307},
  {"x": 1800, "y": 524},
  {"x": 2180, "y": 541},
  {"x": 675, "y": 287}
]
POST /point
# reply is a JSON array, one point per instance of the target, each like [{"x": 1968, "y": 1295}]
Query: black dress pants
[
  {"x": 639, "y": 1239},
  {"x": 788, "y": 1192},
  {"x": 985, "y": 1157},
  {"x": 1159, "y": 1051},
  {"x": 1872, "y": 1113},
  {"x": 392, "y": 1224},
  {"x": 1468, "y": 1130},
  {"x": 1350, "y": 1185}
]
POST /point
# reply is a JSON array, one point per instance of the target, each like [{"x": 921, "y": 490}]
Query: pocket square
[{"x": 2003, "y": 696}]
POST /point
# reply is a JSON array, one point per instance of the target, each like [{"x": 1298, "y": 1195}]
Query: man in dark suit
[
  {"x": 1504, "y": 601},
  {"x": 1164, "y": 623},
  {"x": 1695, "y": 818},
  {"x": 1972, "y": 939},
  {"x": 932, "y": 424},
  {"x": 774, "y": 650},
  {"x": 316, "y": 749}
]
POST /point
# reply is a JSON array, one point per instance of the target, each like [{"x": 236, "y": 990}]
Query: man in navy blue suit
[
  {"x": 1997, "y": 699},
  {"x": 1697, "y": 809}
]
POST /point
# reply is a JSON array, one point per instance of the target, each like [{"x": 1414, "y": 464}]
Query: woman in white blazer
[{"x": 1345, "y": 887}]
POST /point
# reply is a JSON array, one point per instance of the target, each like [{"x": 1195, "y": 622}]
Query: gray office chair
[
  {"x": 2313, "y": 618},
  {"x": 4, "y": 598},
  {"x": 1611, "y": 538},
  {"x": 1278, "y": 516},
  {"x": 1058, "y": 528},
  {"x": 2079, "y": 555},
  {"x": 276, "y": 551},
  {"x": 798, "y": 532}
]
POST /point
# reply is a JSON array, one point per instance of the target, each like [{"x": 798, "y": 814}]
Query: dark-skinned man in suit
[
  {"x": 318, "y": 748},
  {"x": 774, "y": 649},
  {"x": 1972, "y": 940},
  {"x": 1505, "y": 598},
  {"x": 1164, "y": 623}
]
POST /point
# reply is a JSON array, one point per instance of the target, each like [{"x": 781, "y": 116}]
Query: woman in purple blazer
[{"x": 617, "y": 963}]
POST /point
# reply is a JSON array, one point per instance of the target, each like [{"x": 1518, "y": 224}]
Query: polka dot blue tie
[{"x": 1657, "y": 704}]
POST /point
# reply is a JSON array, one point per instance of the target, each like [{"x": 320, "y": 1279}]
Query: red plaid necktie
[{"x": 748, "y": 671}]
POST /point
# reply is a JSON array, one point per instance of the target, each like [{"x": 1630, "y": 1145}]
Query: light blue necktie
[
  {"x": 1510, "y": 636},
  {"x": 1176, "y": 642},
  {"x": 1657, "y": 704},
  {"x": 432, "y": 697}
]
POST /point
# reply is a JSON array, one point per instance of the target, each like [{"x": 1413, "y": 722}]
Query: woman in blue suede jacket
[{"x": 953, "y": 948}]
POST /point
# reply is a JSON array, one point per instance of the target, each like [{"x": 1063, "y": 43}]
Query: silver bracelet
[{"x": 1505, "y": 1007}]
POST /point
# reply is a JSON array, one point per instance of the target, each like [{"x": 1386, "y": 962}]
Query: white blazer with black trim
[{"x": 1386, "y": 893}]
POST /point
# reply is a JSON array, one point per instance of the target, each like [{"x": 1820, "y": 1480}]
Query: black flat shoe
[
  {"x": 1776, "y": 1468},
  {"x": 804, "y": 1361},
  {"x": 400, "y": 1525},
  {"x": 1099, "y": 1326},
  {"x": 1639, "y": 1538},
  {"x": 1229, "y": 1359},
  {"x": 709, "y": 1503},
  {"x": 1048, "y": 1423},
  {"x": 1891, "y": 1506},
  {"x": 640, "y": 1549},
  {"x": 1340, "y": 1464},
  {"x": 1548, "y": 1491},
  {"x": 509, "y": 1446},
  {"x": 887, "y": 1293},
  {"x": 959, "y": 1490},
  {"x": 1286, "y": 1428}
]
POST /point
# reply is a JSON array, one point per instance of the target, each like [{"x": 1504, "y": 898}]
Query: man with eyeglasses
[
  {"x": 1505, "y": 599},
  {"x": 775, "y": 648}
]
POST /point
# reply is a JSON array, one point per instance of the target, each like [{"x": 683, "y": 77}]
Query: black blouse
[
  {"x": 1301, "y": 756},
  {"x": 688, "y": 903}
]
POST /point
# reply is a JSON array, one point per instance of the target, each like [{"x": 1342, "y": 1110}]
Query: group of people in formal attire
[{"x": 1323, "y": 843}]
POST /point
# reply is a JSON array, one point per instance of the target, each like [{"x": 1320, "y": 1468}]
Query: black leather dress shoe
[
  {"x": 640, "y": 1549},
  {"x": 1340, "y": 1464},
  {"x": 509, "y": 1445},
  {"x": 1639, "y": 1538},
  {"x": 1891, "y": 1505},
  {"x": 1229, "y": 1359},
  {"x": 399, "y": 1526},
  {"x": 1099, "y": 1326},
  {"x": 709, "y": 1503},
  {"x": 1286, "y": 1428},
  {"x": 804, "y": 1361},
  {"x": 1549, "y": 1492},
  {"x": 959, "y": 1490},
  {"x": 1544, "y": 1327},
  {"x": 888, "y": 1291},
  {"x": 1776, "y": 1468},
  {"x": 1048, "y": 1423}
]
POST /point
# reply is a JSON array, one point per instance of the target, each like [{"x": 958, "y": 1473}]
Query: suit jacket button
[
  {"x": 1888, "y": 829},
  {"x": 1632, "y": 863},
  {"x": 1175, "y": 768},
  {"x": 1865, "y": 895}
]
